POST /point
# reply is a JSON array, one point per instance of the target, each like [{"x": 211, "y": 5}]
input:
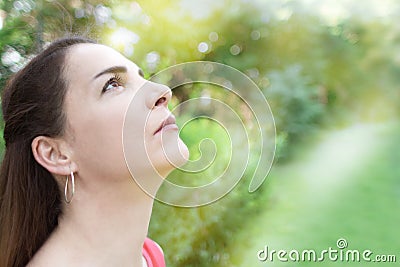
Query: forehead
[{"x": 91, "y": 59}]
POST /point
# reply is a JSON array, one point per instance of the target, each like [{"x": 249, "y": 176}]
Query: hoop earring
[{"x": 68, "y": 200}]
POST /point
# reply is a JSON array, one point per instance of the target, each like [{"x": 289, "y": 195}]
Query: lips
[{"x": 170, "y": 122}]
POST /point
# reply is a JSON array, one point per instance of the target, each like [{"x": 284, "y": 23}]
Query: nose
[{"x": 160, "y": 96}]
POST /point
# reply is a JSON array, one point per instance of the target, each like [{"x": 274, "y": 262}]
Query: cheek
[
  {"x": 98, "y": 144},
  {"x": 135, "y": 129}
]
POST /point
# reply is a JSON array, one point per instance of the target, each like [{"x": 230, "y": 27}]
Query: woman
[{"x": 67, "y": 197}]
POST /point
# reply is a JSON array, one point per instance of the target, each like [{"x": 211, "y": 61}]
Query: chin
[
  {"x": 183, "y": 154},
  {"x": 173, "y": 156}
]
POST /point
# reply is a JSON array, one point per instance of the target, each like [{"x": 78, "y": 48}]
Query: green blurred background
[{"x": 330, "y": 71}]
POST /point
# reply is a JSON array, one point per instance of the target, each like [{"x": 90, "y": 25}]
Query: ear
[{"x": 52, "y": 154}]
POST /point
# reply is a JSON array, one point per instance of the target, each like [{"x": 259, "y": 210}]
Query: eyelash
[{"x": 116, "y": 78}]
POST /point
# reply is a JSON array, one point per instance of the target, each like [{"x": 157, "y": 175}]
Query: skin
[{"x": 107, "y": 221}]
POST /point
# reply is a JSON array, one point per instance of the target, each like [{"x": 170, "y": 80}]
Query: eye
[{"x": 114, "y": 82}]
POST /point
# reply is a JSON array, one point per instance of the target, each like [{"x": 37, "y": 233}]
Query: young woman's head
[{"x": 64, "y": 116}]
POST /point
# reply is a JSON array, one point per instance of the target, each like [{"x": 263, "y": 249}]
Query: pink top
[{"x": 153, "y": 254}]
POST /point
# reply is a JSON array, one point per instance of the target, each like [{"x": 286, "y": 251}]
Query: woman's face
[{"x": 111, "y": 110}]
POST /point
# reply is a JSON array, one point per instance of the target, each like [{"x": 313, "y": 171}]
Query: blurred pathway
[{"x": 300, "y": 191}]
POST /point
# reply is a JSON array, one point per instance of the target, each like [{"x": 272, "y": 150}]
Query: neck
[{"x": 106, "y": 227}]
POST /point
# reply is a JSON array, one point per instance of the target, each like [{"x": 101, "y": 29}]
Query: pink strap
[{"x": 153, "y": 254}]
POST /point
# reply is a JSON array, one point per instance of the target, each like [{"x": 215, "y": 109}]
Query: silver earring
[{"x": 68, "y": 200}]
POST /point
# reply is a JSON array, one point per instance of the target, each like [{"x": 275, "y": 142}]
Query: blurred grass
[{"x": 307, "y": 212}]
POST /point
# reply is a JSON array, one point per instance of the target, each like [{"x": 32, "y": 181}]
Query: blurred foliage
[
  {"x": 294, "y": 99},
  {"x": 314, "y": 72}
]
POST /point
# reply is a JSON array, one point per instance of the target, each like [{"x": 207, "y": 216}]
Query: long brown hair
[{"x": 30, "y": 199}]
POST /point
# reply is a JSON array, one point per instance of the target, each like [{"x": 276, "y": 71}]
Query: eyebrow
[
  {"x": 114, "y": 69},
  {"x": 117, "y": 69}
]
